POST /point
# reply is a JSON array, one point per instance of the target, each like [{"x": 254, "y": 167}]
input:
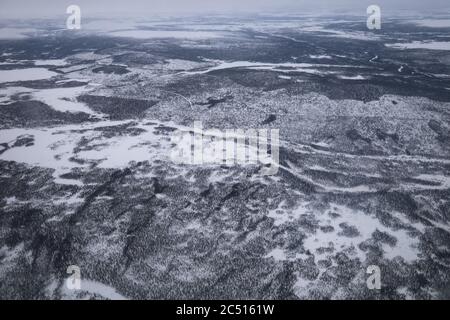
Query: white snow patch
[
  {"x": 64, "y": 99},
  {"x": 355, "y": 35},
  {"x": 54, "y": 147},
  {"x": 442, "y": 181},
  {"x": 60, "y": 99},
  {"x": 86, "y": 56},
  {"x": 282, "y": 215},
  {"x": 179, "y": 64},
  {"x": 27, "y": 74},
  {"x": 161, "y": 34},
  {"x": 70, "y": 80},
  {"x": 406, "y": 246},
  {"x": 10, "y": 200},
  {"x": 8, "y": 92},
  {"x": 101, "y": 289},
  {"x": 322, "y": 144},
  {"x": 320, "y": 56},
  {"x": 430, "y": 45},
  {"x": 10, "y": 254},
  {"x": 92, "y": 287},
  {"x": 431, "y": 23},
  {"x": 358, "y": 77},
  {"x": 277, "y": 67},
  {"x": 50, "y": 62}
]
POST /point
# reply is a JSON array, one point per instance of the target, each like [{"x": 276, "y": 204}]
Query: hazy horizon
[{"x": 49, "y": 8}]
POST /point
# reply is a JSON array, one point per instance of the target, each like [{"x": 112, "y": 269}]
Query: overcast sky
[{"x": 48, "y": 8}]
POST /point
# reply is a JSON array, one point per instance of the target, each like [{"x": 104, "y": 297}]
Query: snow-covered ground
[
  {"x": 429, "y": 45},
  {"x": 26, "y": 74}
]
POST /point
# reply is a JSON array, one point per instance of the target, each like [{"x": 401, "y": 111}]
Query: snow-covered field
[
  {"x": 88, "y": 175},
  {"x": 25, "y": 74}
]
